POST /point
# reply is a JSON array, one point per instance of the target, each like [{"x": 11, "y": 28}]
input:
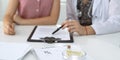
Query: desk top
[{"x": 96, "y": 46}]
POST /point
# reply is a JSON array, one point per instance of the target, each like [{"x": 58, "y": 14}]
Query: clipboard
[{"x": 56, "y": 40}]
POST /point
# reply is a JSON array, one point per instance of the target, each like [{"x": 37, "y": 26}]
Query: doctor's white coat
[{"x": 106, "y": 15}]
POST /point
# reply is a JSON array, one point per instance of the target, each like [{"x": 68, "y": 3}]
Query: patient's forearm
[{"x": 39, "y": 21}]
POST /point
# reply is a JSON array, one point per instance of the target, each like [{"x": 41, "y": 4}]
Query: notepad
[
  {"x": 50, "y": 53},
  {"x": 40, "y": 32},
  {"x": 46, "y": 31},
  {"x": 13, "y": 51}
]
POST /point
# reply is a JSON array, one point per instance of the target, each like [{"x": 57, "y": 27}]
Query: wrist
[
  {"x": 82, "y": 30},
  {"x": 86, "y": 30},
  {"x": 19, "y": 21},
  {"x": 7, "y": 20},
  {"x": 90, "y": 30}
]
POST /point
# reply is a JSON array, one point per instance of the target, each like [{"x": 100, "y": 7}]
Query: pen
[{"x": 57, "y": 29}]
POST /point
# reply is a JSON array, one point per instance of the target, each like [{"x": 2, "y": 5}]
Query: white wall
[
  {"x": 3, "y": 6},
  {"x": 62, "y": 12},
  {"x": 0, "y": 9}
]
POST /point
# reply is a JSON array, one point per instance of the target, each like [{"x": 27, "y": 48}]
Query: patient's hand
[{"x": 8, "y": 27}]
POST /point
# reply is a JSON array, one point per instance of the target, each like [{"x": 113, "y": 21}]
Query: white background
[{"x": 3, "y": 5}]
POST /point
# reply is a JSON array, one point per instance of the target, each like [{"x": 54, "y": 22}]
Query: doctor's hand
[
  {"x": 8, "y": 27},
  {"x": 74, "y": 26}
]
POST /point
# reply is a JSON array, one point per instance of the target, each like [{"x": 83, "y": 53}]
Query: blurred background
[{"x": 4, "y": 3}]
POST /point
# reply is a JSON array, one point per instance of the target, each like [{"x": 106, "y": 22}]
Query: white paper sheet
[
  {"x": 13, "y": 51},
  {"x": 50, "y": 53},
  {"x": 46, "y": 31}
]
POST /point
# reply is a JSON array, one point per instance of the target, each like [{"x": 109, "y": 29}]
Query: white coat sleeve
[
  {"x": 112, "y": 24},
  {"x": 71, "y": 13}
]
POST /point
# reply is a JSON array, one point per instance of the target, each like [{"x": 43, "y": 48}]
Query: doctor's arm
[
  {"x": 70, "y": 10},
  {"x": 112, "y": 24},
  {"x": 73, "y": 25}
]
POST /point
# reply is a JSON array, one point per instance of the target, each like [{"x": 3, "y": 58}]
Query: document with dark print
[{"x": 42, "y": 32}]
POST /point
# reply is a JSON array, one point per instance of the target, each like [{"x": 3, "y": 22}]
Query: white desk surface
[{"x": 98, "y": 47}]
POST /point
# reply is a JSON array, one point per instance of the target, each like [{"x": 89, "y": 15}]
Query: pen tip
[{"x": 52, "y": 33}]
